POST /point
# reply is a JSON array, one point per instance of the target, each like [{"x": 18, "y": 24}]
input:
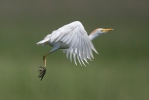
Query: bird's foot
[{"x": 42, "y": 72}]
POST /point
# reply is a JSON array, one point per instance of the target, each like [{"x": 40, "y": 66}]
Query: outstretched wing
[
  {"x": 80, "y": 46},
  {"x": 73, "y": 34}
]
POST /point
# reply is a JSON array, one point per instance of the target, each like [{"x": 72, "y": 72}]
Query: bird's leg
[{"x": 42, "y": 71}]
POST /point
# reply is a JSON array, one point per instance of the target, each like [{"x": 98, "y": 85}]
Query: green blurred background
[{"x": 119, "y": 72}]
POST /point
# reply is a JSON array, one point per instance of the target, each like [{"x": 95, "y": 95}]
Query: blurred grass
[{"x": 119, "y": 72}]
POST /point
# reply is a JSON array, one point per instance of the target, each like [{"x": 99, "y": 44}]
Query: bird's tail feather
[{"x": 42, "y": 41}]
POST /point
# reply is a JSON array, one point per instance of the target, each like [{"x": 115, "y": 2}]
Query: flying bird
[{"x": 74, "y": 41}]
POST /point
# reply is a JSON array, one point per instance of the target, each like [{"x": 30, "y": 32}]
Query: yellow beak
[{"x": 107, "y": 30}]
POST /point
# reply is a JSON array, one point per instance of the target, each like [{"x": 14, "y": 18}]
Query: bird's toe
[{"x": 42, "y": 72}]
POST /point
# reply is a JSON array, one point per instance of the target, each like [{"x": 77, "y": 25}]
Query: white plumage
[{"x": 74, "y": 41}]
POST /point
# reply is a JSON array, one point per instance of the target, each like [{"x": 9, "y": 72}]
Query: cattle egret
[{"x": 74, "y": 41}]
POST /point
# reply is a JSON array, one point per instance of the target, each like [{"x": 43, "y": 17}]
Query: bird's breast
[{"x": 61, "y": 44}]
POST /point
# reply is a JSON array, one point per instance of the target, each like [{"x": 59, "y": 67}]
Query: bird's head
[
  {"x": 101, "y": 30},
  {"x": 98, "y": 32}
]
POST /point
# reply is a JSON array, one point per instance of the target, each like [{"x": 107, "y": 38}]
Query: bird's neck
[{"x": 93, "y": 36}]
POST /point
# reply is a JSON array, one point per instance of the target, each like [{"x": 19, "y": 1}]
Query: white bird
[{"x": 74, "y": 41}]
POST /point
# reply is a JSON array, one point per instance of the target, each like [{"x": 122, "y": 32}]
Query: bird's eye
[{"x": 102, "y": 31}]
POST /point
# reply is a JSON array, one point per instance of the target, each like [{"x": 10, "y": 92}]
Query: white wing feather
[{"x": 73, "y": 34}]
